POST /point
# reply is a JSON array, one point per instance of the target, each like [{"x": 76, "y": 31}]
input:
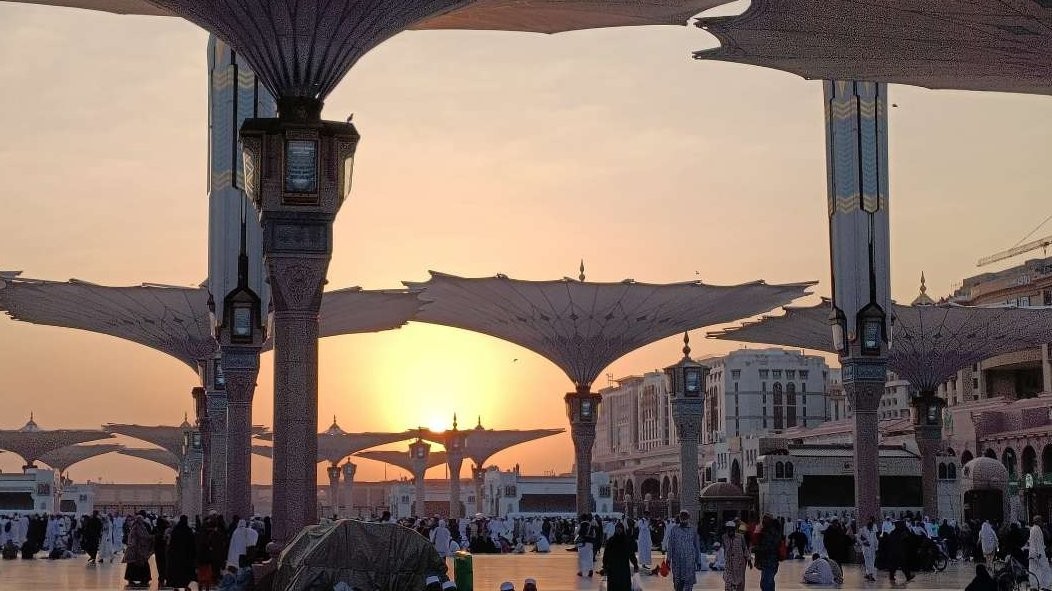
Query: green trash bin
[{"x": 463, "y": 571}]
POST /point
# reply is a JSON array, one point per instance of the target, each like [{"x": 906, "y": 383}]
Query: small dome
[
  {"x": 30, "y": 426},
  {"x": 984, "y": 473},
  {"x": 923, "y": 299},
  {"x": 721, "y": 490},
  {"x": 334, "y": 429}
]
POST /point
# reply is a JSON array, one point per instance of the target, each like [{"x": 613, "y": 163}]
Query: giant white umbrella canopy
[
  {"x": 155, "y": 455},
  {"x": 335, "y": 444},
  {"x": 401, "y": 459},
  {"x": 63, "y": 458},
  {"x": 992, "y": 45},
  {"x": 582, "y": 327},
  {"x": 480, "y": 443},
  {"x": 32, "y": 443},
  {"x": 176, "y": 320},
  {"x": 303, "y": 48},
  {"x": 929, "y": 344}
]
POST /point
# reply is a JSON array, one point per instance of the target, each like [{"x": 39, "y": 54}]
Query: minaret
[{"x": 239, "y": 294}]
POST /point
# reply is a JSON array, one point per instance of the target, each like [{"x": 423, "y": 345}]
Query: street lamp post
[
  {"x": 419, "y": 451},
  {"x": 582, "y": 408},
  {"x": 686, "y": 388},
  {"x": 297, "y": 173},
  {"x": 927, "y": 430}
]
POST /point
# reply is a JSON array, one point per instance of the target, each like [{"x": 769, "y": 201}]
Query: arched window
[
  {"x": 675, "y": 485},
  {"x": 1029, "y": 460},
  {"x": 966, "y": 457},
  {"x": 1009, "y": 461},
  {"x": 990, "y": 453},
  {"x": 779, "y": 470},
  {"x": 951, "y": 471},
  {"x": 779, "y": 402},
  {"x": 942, "y": 471},
  {"x": 790, "y": 405},
  {"x": 950, "y": 452},
  {"x": 736, "y": 473},
  {"x": 1046, "y": 459},
  {"x": 788, "y": 469}
]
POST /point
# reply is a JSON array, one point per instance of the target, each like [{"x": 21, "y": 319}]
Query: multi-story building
[
  {"x": 749, "y": 393},
  {"x": 1022, "y": 374},
  {"x": 755, "y": 391},
  {"x": 895, "y": 403}
]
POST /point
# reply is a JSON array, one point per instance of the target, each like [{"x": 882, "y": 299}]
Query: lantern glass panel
[{"x": 301, "y": 166}]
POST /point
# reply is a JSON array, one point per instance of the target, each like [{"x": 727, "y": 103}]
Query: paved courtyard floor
[{"x": 554, "y": 572}]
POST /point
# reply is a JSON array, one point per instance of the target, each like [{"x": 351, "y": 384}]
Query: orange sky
[{"x": 481, "y": 153}]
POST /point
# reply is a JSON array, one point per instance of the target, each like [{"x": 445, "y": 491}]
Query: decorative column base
[
  {"x": 347, "y": 492},
  {"x": 333, "y": 472},
  {"x": 240, "y": 369},
  {"x": 688, "y": 415},
  {"x": 478, "y": 476},
  {"x": 582, "y": 408},
  {"x": 863, "y": 381},
  {"x": 216, "y": 491},
  {"x": 455, "y": 464},
  {"x": 420, "y": 505},
  {"x": 929, "y": 443}
]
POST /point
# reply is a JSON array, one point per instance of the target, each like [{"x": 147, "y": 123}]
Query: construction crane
[{"x": 1042, "y": 243}]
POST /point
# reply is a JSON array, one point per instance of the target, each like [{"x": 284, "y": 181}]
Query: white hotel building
[{"x": 749, "y": 393}]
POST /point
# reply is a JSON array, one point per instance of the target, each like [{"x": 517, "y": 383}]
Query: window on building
[
  {"x": 788, "y": 469},
  {"x": 803, "y": 374},
  {"x": 736, "y": 374},
  {"x": 790, "y": 405},
  {"x": 779, "y": 470},
  {"x": 735, "y": 386},
  {"x": 763, "y": 386},
  {"x": 763, "y": 374},
  {"x": 1046, "y": 297},
  {"x": 1024, "y": 301},
  {"x": 779, "y": 402},
  {"x": 975, "y": 383},
  {"x": 951, "y": 471},
  {"x": 790, "y": 374},
  {"x": 776, "y": 373}
]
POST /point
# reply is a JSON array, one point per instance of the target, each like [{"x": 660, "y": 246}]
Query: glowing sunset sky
[{"x": 481, "y": 153}]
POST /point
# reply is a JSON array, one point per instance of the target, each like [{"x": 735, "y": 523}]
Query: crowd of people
[
  {"x": 216, "y": 554},
  {"x": 210, "y": 552}
]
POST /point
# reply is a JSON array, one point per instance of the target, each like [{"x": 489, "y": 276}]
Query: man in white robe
[
  {"x": 867, "y": 540},
  {"x": 643, "y": 542},
  {"x": 819, "y": 541},
  {"x": 441, "y": 538},
  {"x": 988, "y": 541},
  {"x": 241, "y": 540},
  {"x": 1040, "y": 570},
  {"x": 542, "y": 545}
]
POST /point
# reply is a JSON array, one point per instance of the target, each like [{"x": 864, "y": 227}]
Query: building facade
[
  {"x": 1022, "y": 374},
  {"x": 895, "y": 403},
  {"x": 756, "y": 391}
]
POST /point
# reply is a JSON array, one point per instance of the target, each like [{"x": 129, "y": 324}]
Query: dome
[
  {"x": 721, "y": 490},
  {"x": 985, "y": 474}
]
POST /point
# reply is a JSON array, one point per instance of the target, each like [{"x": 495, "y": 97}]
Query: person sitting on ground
[
  {"x": 542, "y": 545},
  {"x": 823, "y": 571},
  {"x": 982, "y": 581},
  {"x": 719, "y": 558},
  {"x": 507, "y": 586},
  {"x": 529, "y": 585},
  {"x": 9, "y": 551}
]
